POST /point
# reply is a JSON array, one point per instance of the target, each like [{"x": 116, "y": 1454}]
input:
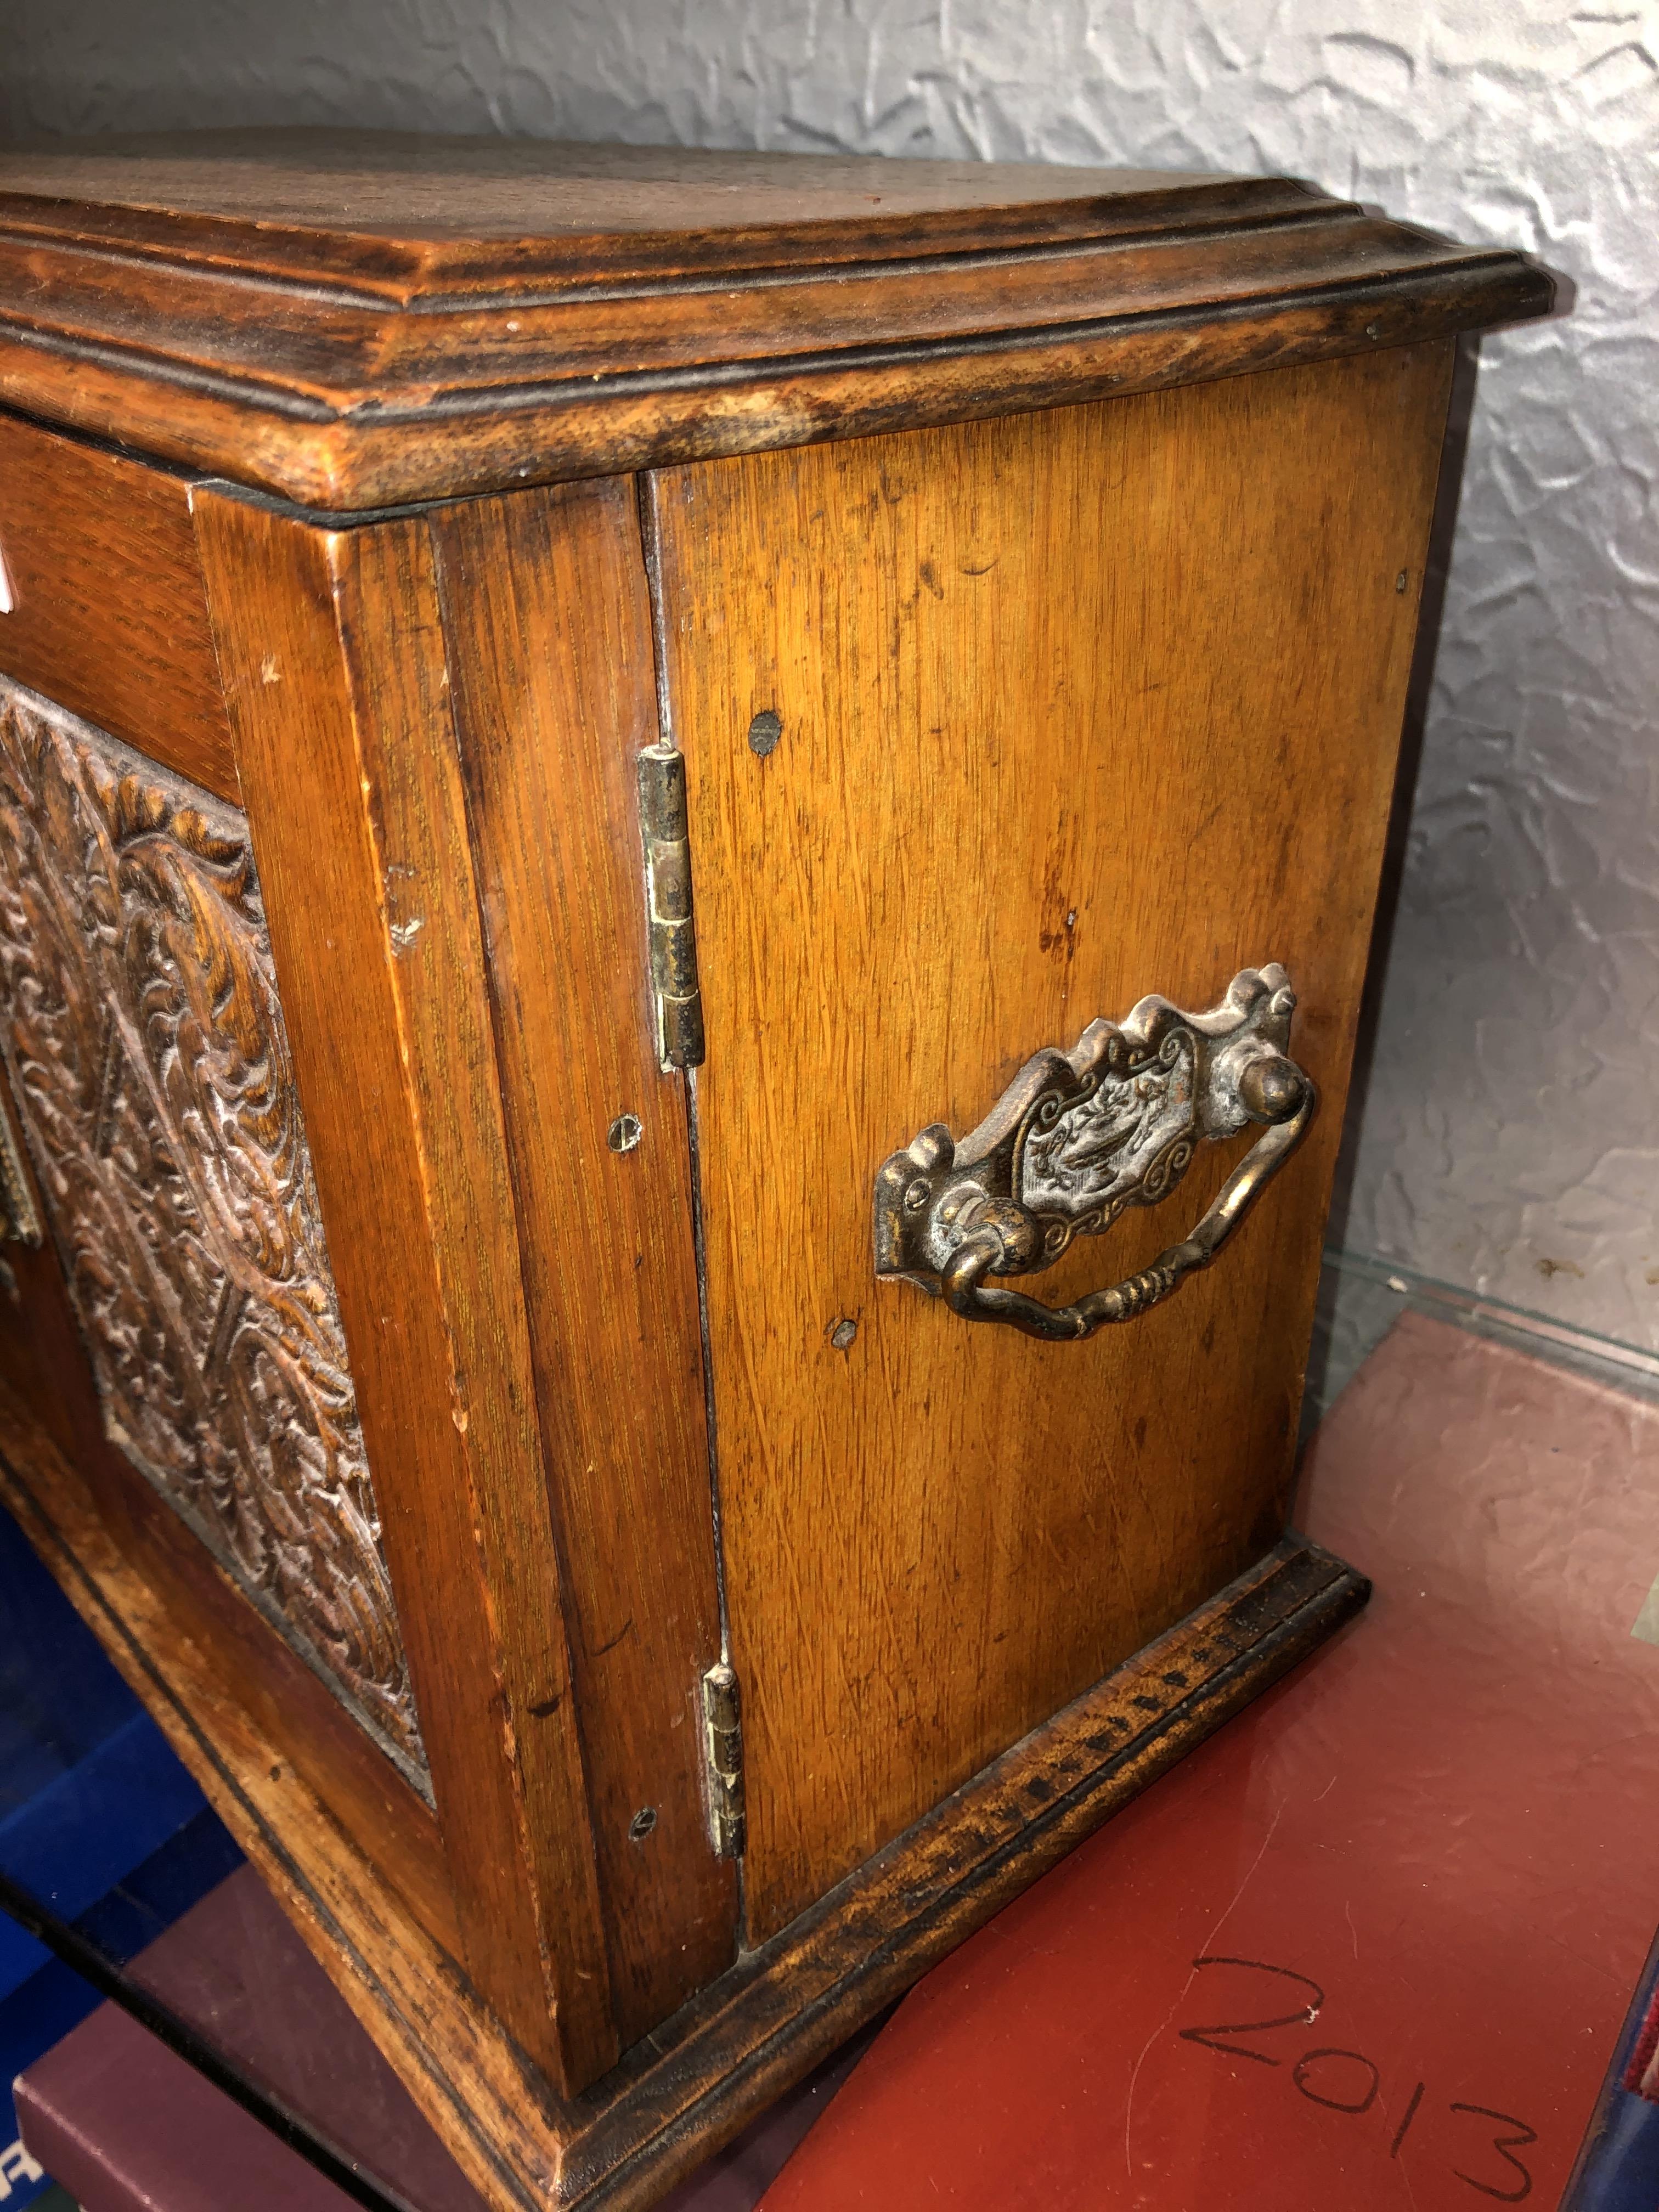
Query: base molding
[
  {"x": 700, "y": 2077},
  {"x": 772, "y": 2018}
]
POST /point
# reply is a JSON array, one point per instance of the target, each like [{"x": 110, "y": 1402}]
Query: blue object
[
  {"x": 99, "y": 1822},
  {"x": 1618, "y": 2168}
]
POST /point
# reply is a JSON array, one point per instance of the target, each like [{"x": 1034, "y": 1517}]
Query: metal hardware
[
  {"x": 1079, "y": 1137},
  {"x": 764, "y": 732},
  {"x": 20, "y": 1224},
  {"x": 668, "y": 904},
  {"x": 624, "y": 1134},
  {"x": 723, "y": 1737}
]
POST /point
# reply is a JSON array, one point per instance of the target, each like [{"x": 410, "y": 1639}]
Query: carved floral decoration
[{"x": 150, "y": 1067}]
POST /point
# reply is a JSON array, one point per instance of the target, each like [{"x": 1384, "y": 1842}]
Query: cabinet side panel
[
  {"x": 1070, "y": 709},
  {"x": 547, "y": 623},
  {"x": 150, "y": 1063},
  {"x": 76, "y": 1497},
  {"x": 334, "y": 665}
]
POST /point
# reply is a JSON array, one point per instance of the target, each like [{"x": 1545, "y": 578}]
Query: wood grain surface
[
  {"x": 199, "y": 1619},
  {"x": 1074, "y": 707},
  {"x": 1071, "y": 705},
  {"x": 338, "y": 690},
  {"x": 110, "y": 612},
  {"x": 397, "y": 212},
  {"x": 418, "y": 320},
  {"x": 403, "y": 1975},
  {"x": 150, "y": 1063},
  {"x": 769, "y": 2018},
  {"x": 545, "y": 610}
]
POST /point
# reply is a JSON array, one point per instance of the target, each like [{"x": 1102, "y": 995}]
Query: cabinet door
[{"x": 991, "y": 730}]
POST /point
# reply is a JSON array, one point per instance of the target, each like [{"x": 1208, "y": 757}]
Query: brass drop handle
[
  {"x": 1080, "y": 1137},
  {"x": 989, "y": 1249}
]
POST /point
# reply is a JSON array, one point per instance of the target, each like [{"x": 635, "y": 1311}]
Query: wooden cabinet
[{"x": 687, "y": 845}]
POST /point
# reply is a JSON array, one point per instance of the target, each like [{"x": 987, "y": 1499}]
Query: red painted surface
[
  {"x": 1438, "y": 1845},
  {"x": 128, "y": 2126}
]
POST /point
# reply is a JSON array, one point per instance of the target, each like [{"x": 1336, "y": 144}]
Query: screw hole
[
  {"x": 764, "y": 732},
  {"x": 625, "y": 1133},
  {"x": 641, "y": 1824},
  {"x": 842, "y": 1333},
  {"x": 1401, "y": 579}
]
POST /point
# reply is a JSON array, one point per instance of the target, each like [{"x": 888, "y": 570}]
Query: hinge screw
[{"x": 625, "y": 1133}]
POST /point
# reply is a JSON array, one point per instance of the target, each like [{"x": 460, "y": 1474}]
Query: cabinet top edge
[
  {"x": 353, "y": 319},
  {"x": 397, "y": 216}
]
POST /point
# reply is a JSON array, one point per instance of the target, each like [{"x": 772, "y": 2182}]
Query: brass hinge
[
  {"x": 723, "y": 1739},
  {"x": 668, "y": 904}
]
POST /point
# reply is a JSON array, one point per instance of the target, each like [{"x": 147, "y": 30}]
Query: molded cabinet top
[{"x": 358, "y": 320}]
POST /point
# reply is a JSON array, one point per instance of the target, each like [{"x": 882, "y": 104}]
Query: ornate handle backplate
[{"x": 1079, "y": 1136}]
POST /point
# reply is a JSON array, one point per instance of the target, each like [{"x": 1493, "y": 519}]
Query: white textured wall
[{"x": 1511, "y": 1141}]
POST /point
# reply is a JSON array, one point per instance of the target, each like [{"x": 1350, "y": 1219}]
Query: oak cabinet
[{"x": 687, "y": 845}]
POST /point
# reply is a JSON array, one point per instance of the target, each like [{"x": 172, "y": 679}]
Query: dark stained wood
[
  {"x": 139, "y": 1017},
  {"x": 110, "y": 613},
  {"x": 41, "y": 1355},
  {"x": 1075, "y": 707},
  {"x": 549, "y": 626},
  {"x": 393, "y": 212},
  {"x": 413, "y": 320},
  {"x": 335, "y": 672},
  {"x": 767, "y": 2021},
  {"x": 51, "y": 1433},
  {"x": 400, "y": 1973}
]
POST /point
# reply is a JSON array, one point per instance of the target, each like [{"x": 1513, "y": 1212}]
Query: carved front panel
[{"x": 150, "y": 1065}]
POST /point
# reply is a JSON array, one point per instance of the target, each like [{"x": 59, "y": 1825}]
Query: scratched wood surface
[
  {"x": 417, "y": 318},
  {"x": 1074, "y": 707},
  {"x": 109, "y": 613},
  {"x": 338, "y": 690},
  {"x": 140, "y": 1020},
  {"x": 546, "y": 613}
]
